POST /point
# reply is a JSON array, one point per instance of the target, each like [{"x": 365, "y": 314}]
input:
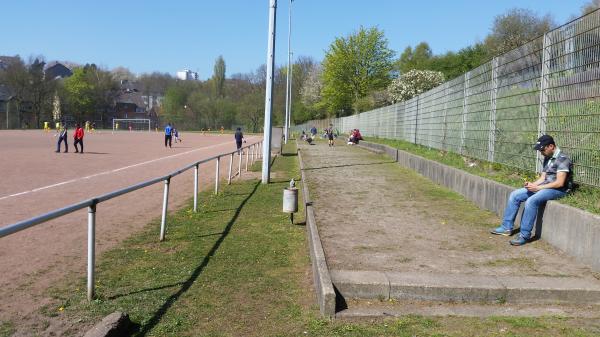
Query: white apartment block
[{"x": 187, "y": 75}]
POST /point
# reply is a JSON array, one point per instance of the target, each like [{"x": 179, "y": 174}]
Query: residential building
[{"x": 187, "y": 75}]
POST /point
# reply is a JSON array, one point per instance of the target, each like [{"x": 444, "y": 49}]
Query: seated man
[
  {"x": 357, "y": 136},
  {"x": 552, "y": 184}
]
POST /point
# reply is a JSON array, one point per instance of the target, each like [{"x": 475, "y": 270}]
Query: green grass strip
[
  {"x": 584, "y": 197},
  {"x": 239, "y": 268}
]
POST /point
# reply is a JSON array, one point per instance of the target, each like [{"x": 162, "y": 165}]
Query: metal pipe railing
[{"x": 92, "y": 203}]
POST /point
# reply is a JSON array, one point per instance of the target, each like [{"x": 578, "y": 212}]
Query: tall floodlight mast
[{"x": 269, "y": 94}]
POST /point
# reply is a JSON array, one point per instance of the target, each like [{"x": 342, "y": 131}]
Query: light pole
[
  {"x": 269, "y": 94},
  {"x": 288, "y": 92}
]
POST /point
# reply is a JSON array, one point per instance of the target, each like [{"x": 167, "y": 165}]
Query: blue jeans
[{"x": 533, "y": 200}]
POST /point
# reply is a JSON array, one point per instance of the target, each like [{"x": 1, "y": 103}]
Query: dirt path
[{"x": 375, "y": 215}]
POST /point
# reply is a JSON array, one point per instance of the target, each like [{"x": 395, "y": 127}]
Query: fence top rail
[{"x": 21, "y": 225}]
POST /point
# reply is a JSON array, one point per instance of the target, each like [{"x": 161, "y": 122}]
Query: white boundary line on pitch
[{"x": 107, "y": 172}]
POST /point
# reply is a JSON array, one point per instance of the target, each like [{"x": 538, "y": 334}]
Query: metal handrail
[{"x": 91, "y": 203}]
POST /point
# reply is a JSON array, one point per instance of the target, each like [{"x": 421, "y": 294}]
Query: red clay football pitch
[{"x": 36, "y": 180}]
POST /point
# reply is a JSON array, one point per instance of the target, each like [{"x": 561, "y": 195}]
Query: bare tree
[{"x": 515, "y": 28}]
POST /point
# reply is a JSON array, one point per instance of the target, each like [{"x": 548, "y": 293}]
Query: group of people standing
[{"x": 63, "y": 136}]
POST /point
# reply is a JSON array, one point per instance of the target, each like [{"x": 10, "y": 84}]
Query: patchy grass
[
  {"x": 238, "y": 268},
  {"x": 524, "y": 262},
  {"x": 585, "y": 197},
  {"x": 6, "y": 329}
]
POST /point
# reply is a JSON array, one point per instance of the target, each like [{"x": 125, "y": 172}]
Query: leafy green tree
[
  {"x": 174, "y": 104},
  {"x": 16, "y": 78},
  {"x": 419, "y": 58},
  {"x": 218, "y": 77},
  {"x": 79, "y": 93},
  {"x": 353, "y": 67}
]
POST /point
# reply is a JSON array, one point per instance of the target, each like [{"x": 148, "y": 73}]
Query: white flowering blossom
[{"x": 413, "y": 83}]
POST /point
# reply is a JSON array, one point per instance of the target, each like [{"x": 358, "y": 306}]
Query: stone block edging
[
  {"x": 569, "y": 229},
  {"x": 321, "y": 276}
]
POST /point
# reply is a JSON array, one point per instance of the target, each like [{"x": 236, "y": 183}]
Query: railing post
[
  {"x": 247, "y": 156},
  {"x": 240, "y": 162},
  {"x": 163, "y": 220},
  {"x": 417, "y": 119},
  {"x": 196, "y": 189},
  {"x": 252, "y": 154},
  {"x": 543, "y": 108},
  {"x": 217, "y": 175},
  {"x": 464, "y": 112},
  {"x": 230, "y": 167},
  {"x": 91, "y": 251},
  {"x": 494, "y": 93}
]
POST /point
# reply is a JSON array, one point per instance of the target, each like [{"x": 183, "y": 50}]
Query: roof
[{"x": 131, "y": 97}]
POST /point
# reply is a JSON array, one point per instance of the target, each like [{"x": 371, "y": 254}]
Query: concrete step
[
  {"x": 375, "y": 309},
  {"x": 465, "y": 288}
]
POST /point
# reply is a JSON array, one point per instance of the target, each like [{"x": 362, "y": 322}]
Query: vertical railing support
[
  {"x": 196, "y": 188},
  {"x": 464, "y": 112},
  {"x": 247, "y": 156},
  {"x": 163, "y": 220},
  {"x": 91, "y": 251},
  {"x": 217, "y": 175},
  {"x": 494, "y": 93},
  {"x": 543, "y": 109},
  {"x": 252, "y": 154},
  {"x": 240, "y": 163},
  {"x": 417, "y": 119},
  {"x": 230, "y": 167}
]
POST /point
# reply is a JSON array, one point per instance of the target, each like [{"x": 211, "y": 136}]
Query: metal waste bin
[{"x": 290, "y": 199}]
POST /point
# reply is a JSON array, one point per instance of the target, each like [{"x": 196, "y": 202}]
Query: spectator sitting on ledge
[{"x": 554, "y": 183}]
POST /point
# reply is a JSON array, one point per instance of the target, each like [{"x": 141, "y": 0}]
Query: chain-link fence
[{"x": 496, "y": 112}]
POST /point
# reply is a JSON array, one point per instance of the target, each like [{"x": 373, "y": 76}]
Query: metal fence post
[
  {"x": 163, "y": 220},
  {"x": 445, "y": 126},
  {"x": 240, "y": 162},
  {"x": 543, "y": 109},
  {"x": 417, "y": 119},
  {"x": 196, "y": 189},
  {"x": 464, "y": 112},
  {"x": 91, "y": 251},
  {"x": 230, "y": 167},
  {"x": 217, "y": 175},
  {"x": 247, "y": 156},
  {"x": 494, "y": 93}
]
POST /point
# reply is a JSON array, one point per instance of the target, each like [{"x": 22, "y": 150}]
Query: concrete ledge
[
  {"x": 465, "y": 288},
  {"x": 361, "y": 284},
  {"x": 569, "y": 229},
  {"x": 322, "y": 279}
]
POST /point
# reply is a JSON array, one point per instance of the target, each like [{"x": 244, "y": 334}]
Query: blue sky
[{"x": 167, "y": 36}]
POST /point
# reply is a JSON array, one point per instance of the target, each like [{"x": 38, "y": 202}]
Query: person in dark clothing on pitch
[
  {"x": 239, "y": 138},
  {"x": 62, "y": 137},
  {"x": 168, "y": 136}
]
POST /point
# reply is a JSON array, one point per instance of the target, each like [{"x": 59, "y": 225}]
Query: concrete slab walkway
[{"x": 389, "y": 233}]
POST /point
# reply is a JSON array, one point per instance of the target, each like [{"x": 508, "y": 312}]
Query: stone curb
[
  {"x": 322, "y": 279},
  {"x": 465, "y": 288},
  {"x": 114, "y": 325},
  {"x": 567, "y": 228}
]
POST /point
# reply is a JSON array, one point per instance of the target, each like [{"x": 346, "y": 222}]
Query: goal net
[{"x": 131, "y": 124}]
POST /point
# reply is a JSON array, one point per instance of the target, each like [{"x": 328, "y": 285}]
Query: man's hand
[{"x": 531, "y": 187}]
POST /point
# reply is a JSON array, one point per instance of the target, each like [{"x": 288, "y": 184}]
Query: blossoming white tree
[{"x": 413, "y": 83}]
